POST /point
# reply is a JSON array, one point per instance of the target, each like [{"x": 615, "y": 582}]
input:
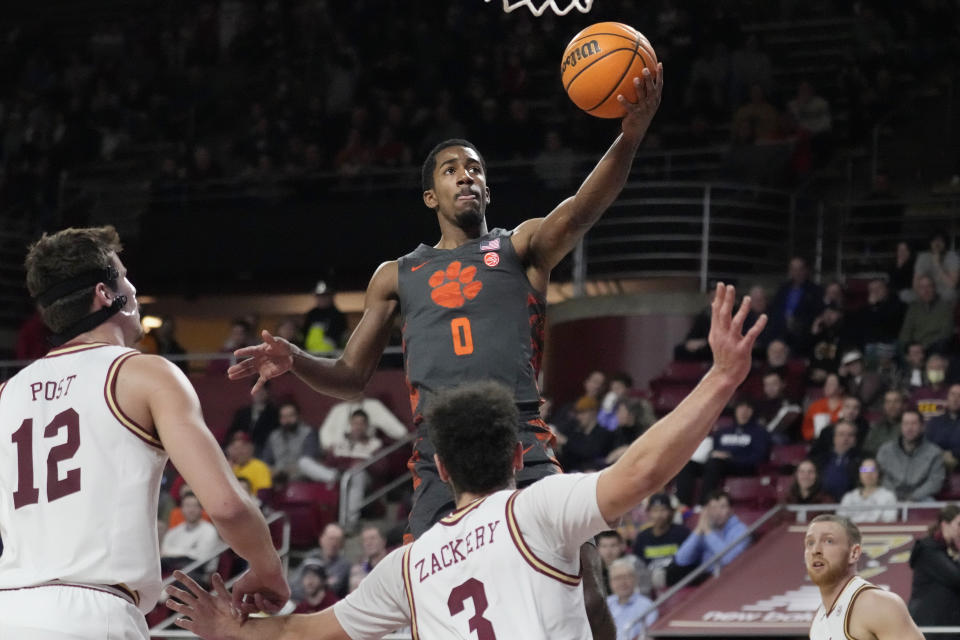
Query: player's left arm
[
  {"x": 543, "y": 242},
  {"x": 884, "y": 615}
]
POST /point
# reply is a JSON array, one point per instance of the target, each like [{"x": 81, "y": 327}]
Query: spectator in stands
[
  {"x": 759, "y": 305},
  {"x": 829, "y": 337},
  {"x": 758, "y": 116},
  {"x": 878, "y": 322},
  {"x": 901, "y": 273},
  {"x": 865, "y": 385},
  {"x": 694, "y": 347},
  {"x": 258, "y": 420},
  {"x": 911, "y": 465},
  {"x": 594, "y": 386},
  {"x": 914, "y": 374},
  {"x": 324, "y": 325},
  {"x": 612, "y": 547},
  {"x": 811, "y": 114},
  {"x": 869, "y": 494},
  {"x": 634, "y": 416},
  {"x": 944, "y": 430},
  {"x": 176, "y": 516},
  {"x": 358, "y": 447},
  {"x": 337, "y": 423},
  {"x": 657, "y": 542},
  {"x": 626, "y": 603},
  {"x": 586, "y": 445},
  {"x": 887, "y": 427},
  {"x": 935, "y": 561},
  {"x": 778, "y": 359},
  {"x": 328, "y": 555},
  {"x": 708, "y": 81},
  {"x": 620, "y": 386},
  {"x": 167, "y": 344},
  {"x": 245, "y": 465},
  {"x": 941, "y": 265},
  {"x": 556, "y": 163},
  {"x": 285, "y": 444},
  {"x": 289, "y": 331},
  {"x": 374, "y": 546},
  {"x": 737, "y": 451},
  {"x": 806, "y": 487},
  {"x": 316, "y": 594},
  {"x": 241, "y": 335},
  {"x": 795, "y": 306},
  {"x": 929, "y": 319},
  {"x": 825, "y": 410},
  {"x": 931, "y": 398},
  {"x": 776, "y": 413},
  {"x": 357, "y": 573},
  {"x": 749, "y": 66},
  {"x": 850, "y": 411},
  {"x": 717, "y": 528},
  {"x": 838, "y": 467},
  {"x": 194, "y": 539}
]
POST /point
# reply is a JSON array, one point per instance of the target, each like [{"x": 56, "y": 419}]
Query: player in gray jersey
[{"x": 463, "y": 301}]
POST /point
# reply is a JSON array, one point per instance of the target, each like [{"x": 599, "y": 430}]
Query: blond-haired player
[
  {"x": 85, "y": 433},
  {"x": 851, "y": 607}
]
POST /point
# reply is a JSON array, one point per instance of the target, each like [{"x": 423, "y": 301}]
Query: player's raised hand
[
  {"x": 209, "y": 615},
  {"x": 643, "y": 106},
  {"x": 269, "y": 359},
  {"x": 731, "y": 347},
  {"x": 253, "y": 592}
]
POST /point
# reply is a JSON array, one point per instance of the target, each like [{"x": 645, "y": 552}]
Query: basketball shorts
[
  {"x": 432, "y": 498},
  {"x": 69, "y": 612}
]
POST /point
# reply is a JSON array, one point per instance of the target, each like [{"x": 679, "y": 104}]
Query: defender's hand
[
  {"x": 269, "y": 359},
  {"x": 209, "y": 615},
  {"x": 731, "y": 348}
]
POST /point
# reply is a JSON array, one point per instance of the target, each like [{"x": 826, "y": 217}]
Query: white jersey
[
  {"x": 79, "y": 480},
  {"x": 505, "y": 566},
  {"x": 835, "y": 624}
]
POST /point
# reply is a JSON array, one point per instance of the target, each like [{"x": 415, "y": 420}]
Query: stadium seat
[
  {"x": 951, "y": 488},
  {"x": 680, "y": 371},
  {"x": 310, "y": 507},
  {"x": 788, "y": 455},
  {"x": 751, "y": 491},
  {"x": 667, "y": 396}
]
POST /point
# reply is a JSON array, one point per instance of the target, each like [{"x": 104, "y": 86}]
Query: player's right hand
[
  {"x": 731, "y": 348},
  {"x": 208, "y": 615},
  {"x": 253, "y": 593},
  {"x": 269, "y": 359}
]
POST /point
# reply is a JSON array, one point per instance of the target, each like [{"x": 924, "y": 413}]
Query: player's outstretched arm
[
  {"x": 343, "y": 377},
  {"x": 152, "y": 391},
  {"x": 656, "y": 456},
  {"x": 543, "y": 242},
  {"x": 884, "y": 615},
  {"x": 213, "y": 617}
]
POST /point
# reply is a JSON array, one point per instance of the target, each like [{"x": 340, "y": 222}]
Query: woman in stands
[
  {"x": 935, "y": 561},
  {"x": 869, "y": 494},
  {"x": 806, "y": 489}
]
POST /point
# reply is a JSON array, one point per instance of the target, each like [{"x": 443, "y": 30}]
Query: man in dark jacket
[
  {"x": 797, "y": 302},
  {"x": 936, "y": 574}
]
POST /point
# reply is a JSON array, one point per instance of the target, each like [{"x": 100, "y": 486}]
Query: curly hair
[
  {"x": 474, "y": 431},
  {"x": 65, "y": 254}
]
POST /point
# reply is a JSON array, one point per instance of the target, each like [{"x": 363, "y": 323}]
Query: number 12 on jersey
[
  {"x": 462, "y": 336},
  {"x": 27, "y": 493}
]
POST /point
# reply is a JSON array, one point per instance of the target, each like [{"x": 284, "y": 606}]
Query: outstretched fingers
[
  {"x": 736, "y": 325},
  {"x": 751, "y": 336}
]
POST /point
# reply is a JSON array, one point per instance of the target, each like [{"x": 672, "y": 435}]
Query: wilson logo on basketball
[
  {"x": 491, "y": 259},
  {"x": 575, "y": 56}
]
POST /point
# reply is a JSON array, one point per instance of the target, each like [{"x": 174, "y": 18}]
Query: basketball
[{"x": 601, "y": 62}]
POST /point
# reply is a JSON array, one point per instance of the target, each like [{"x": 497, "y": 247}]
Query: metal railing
[
  {"x": 163, "y": 630},
  {"x": 346, "y": 510}
]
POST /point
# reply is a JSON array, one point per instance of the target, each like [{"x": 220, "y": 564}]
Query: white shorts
[{"x": 68, "y": 612}]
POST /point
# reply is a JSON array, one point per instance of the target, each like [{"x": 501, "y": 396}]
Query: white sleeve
[
  {"x": 334, "y": 425},
  {"x": 557, "y": 514},
  {"x": 383, "y": 419},
  {"x": 379, "y": 605}
]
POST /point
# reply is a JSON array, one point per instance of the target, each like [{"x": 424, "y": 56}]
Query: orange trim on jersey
[
  {"x": 846, "y": 615},
  {"x": 528, "y": 555},
  {"x": 457, "y": 514},
  {"x": 408, "y": 587},
  {"x": 110, "y": 395},
  {"x": 75, "y": 348}
]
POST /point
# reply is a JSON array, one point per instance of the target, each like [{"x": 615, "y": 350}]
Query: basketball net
[{"x": 583, "y": 6}]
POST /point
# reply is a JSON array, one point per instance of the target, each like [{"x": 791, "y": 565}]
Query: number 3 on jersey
[
  {"x": 27, "y": 493},
  {"x": 462, "y": 336}
]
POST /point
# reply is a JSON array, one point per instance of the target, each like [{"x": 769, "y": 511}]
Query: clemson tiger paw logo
[{"x": 453, "y": 286}]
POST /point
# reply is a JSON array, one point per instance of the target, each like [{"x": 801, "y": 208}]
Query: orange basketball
[{"x": 600, "y": 62}]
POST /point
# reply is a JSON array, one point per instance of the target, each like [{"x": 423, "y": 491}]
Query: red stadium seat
[
  {"x": 951, "y": 488},
  {"x": 680, "y": 371},
  {"x": 751, "y": 491},
  {"x": 667, "y": 396},
  {"x": 788, "y": 455},
  {"x": 310, "y": 507}
]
